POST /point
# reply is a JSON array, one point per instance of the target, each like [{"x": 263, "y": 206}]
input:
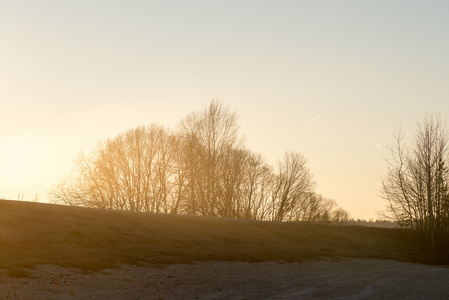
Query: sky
[{"x": 332, "y": 80}]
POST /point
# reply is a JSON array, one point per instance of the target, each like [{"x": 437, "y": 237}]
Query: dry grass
[
  {"x": 17, "y": 272},
  {"x": 91, "y": 239}
]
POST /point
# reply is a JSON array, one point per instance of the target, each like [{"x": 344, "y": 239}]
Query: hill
[{"x": 92, "y": 239}]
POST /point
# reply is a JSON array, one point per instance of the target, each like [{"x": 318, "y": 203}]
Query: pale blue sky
[{"x": 73, "y": 72}]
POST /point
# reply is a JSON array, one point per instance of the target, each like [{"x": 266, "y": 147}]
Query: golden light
[{"x": 14, "y": 161}]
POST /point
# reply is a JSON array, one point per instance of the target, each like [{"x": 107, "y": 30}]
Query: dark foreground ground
[
  {"x": 341, "y": 279},
  {"x": 60, "y": 252},
  {"x": 33, "y": 234}
]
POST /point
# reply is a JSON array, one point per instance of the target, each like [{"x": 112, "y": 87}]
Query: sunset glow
[
  {"x": 15, "y": 164},
  {"x": 331, "y": 80},
  {"x": 21, "y": 162}
]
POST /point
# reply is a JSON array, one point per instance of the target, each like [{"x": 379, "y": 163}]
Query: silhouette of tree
[
  {"x": 293, "y": 185},
  {"x": 257, "y": 188},
  {"x": 189, "y": 166},
  {"x": 130, "y": 172},
  {"x": 201, "y": 168},
  {"x": 416, "y": 182},
  {"x": 218, "y": 136}
]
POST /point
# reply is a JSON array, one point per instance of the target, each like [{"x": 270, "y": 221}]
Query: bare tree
[
  {"x": 130, "y": 172},
  {"x": 257, "y": 188},
  {"x": 415, "y": 185},
  {"x": 317, "y": 209},
  {"x": 292, "y": 186},
  {"x": 208, "y": 139},
  {"x": 230, "y": 183},
  {"x": 200, "y": 169},
  {"x": 189, "y": 165},
  {"x": 218, "y": 134}
]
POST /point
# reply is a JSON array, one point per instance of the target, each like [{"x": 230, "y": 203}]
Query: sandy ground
[{"x": 342, "y": 279}]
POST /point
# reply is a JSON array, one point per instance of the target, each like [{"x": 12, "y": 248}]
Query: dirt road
[{"x": 341, "y": 279}]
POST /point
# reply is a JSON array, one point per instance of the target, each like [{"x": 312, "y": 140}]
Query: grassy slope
[{"x": 36, "y": 233}]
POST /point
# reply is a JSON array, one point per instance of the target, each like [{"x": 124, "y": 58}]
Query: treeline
[
  {"x": 416, "y": 183},
  {"x": 368, "y": 223},
  {"x": 200, "y": 168}
]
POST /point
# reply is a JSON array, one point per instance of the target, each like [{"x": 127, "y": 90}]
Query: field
[
  {"x": 76, "y": 245},
  {"x": 92, "y": 239}
]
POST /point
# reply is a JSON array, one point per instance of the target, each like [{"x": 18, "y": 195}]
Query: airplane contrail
[{"x": 316, "y": 117}]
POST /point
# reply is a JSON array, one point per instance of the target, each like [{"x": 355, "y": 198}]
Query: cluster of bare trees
[
  {"x": 416, "y": 183},
  {"x": 201, "y": 168}
]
